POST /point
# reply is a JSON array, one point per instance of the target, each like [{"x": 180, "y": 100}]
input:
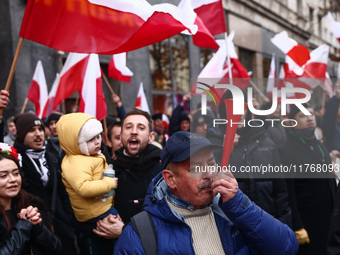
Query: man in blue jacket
[{"x": 204, "y": 215}]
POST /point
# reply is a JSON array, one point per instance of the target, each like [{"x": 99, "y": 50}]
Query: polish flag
[
  {"x": 141, "y": 102},
  {"x": 217, "y": 68},
  {"x": 165, "y": 121},
  {"x": 117, "y": 68},
  {"x": 271, "y": 76},
  {"x": 314, "y": 71},
  {"x": 335, "y": 26},
  {"x": 203, "y": 38},
  {"x": 48, "y": 109},
  {"x": 82, "y": 73},
  {"x": 102, "y": 26},
  {"x": 92, "y": 99},
  {"x": 38, "y": 90},
  {"x": 298, "y": 53},
  {"x": 211, "y": 13}
]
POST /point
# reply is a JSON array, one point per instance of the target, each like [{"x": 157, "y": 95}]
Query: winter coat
[
  {"x": 311, "y": 199},
  {"x": 82, "y": 174},
  {"x": 25, "y": 237},
  {"x": 331, "y": 126},
  {"x": 243, "y": 227},
  {"x": 135, "y": 175},
  {"x": 270, "y": 194},
  {"x": 54, "y": 195}
]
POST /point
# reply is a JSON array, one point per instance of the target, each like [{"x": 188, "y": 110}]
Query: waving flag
[
  {"x": 38, "y": 90},
  {"x": 92, "y": 99},
  {"x": 203, "y": 37},
  {"x": 117, "y": 68},
  {"x": 212, "y": 15},
  {"x": 314, "y": 72},
  {"x": 102, "y": 26},
  {"x": 48, "y": 109},
  {"x": 335, "y": 26},
  {"x": 271, "y": 76},
  {"x": 298, "y": 53},
  {"x": 141, "y": 102},
  {"x": 217, "y": 67},
  {"x": 82, "y": 73}
]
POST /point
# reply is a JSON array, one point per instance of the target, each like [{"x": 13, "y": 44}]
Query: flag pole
[
  {"x": 171, "y": 72},
  {"x": 259, "y": 91},
  {"x": 108, "y": 84},
  {"x": 24, "y": 105},
  {"x": 228, "y": 59},
  {"x": 14, "y": 63}
]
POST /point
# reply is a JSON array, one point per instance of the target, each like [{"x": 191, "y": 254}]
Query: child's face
[{"x": 93, "y": 145}]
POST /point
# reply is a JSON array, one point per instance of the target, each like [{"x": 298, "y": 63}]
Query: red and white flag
[
  {"x": 38, "y": 90},
  {"x": 211, "y": 13},
  {"x": 271, "y": 76},
  {"x": 335, "y": 26},
  {"x": 48, "y": 109},
  {"x": 82, "y": 73},
  {"x": 329, "y": 86},
  {"x": 165, "y": 121},
  {"x": 141, "y": 102},
  {"x": 217, "y": 68},
  {"x": 92, "y": 99},
  {"x": 102, "y": 26},
  {"x": 117, "y": 68},
  {"x": 203, "y": 38},
  {"x": 314, "y": 71},
  {"x": 298, "y": 53}
]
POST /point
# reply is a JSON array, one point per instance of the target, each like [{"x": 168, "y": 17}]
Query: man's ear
[
  {"x": 170, "y": 178},
  {"x": 151, "y": 137}
]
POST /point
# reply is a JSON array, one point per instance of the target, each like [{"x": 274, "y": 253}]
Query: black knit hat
[
  {"x": 184, "y": 116},
  {"x": 53, "y": 116},
  {"x": 157, "y": 116},
  {"x": 294, "y": 110},
  {"x": 24, "y": 122}
]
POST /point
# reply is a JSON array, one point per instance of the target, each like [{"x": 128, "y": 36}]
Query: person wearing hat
[
  {"x": 180, "y": 120},
  {"x": 203, "y": 214},
  {"x": 53, "y": 146},
  {"x": 311, "y": 193},
  {"x": 42, "y": 179}
]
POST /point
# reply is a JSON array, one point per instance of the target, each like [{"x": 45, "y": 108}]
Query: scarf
[{"x": 39, "y": 161}]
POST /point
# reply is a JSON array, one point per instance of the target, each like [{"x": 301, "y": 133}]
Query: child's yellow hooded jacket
[{"x": 81, "y": 174}]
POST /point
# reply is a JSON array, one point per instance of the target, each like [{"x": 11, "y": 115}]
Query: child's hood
[{"x": 68, "y": 128}]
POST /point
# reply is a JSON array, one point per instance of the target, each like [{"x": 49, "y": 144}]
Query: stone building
[{"x": 254, "y": 23}]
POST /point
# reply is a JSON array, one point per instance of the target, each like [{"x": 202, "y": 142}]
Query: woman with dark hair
[{"x": 23, "y": 230}]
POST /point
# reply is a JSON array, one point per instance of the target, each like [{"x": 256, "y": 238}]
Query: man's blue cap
[{"x": 182, "y": 145}]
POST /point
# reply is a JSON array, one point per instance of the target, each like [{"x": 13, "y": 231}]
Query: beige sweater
[{"x": 206, "y": 239}]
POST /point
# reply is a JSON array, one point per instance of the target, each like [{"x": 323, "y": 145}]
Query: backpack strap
[{"x": 146, "y": 231}]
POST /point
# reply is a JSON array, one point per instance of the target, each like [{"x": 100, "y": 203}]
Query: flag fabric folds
[
  {"x": 335, "y": 26},
  {"x": 298, "y": 53},
  {"x": 117, "y": 68},
  {"x": 212, "y": 15},
  {"x": 217, "y": 68},
  {"x": 82, "y": 73},
  {"x": 38, "y": 90},
  {"x": 48, "y": 109},
  {"x": 203, "y": 38},
  {"x": 102, "y": 26},
  {"x": 141, "y": 102}
]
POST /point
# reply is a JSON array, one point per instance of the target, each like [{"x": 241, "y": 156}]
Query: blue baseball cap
[{"x": 182, "y": 145}]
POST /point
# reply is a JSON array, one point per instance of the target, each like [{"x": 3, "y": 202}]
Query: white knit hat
[{"x": 90, "y": 129}]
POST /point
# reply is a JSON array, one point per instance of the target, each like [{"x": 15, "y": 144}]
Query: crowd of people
[{"x": 55, "y": 196}]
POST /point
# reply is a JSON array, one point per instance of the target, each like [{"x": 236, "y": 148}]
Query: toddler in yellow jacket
[{"x": 82, "y": 173}]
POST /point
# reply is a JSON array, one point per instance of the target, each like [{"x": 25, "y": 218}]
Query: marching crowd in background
[{"x": 55, "y": 196}]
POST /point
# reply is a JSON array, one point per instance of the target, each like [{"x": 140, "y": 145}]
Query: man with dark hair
[
  {"x": 42, "y": 179},
  {"x": 113, "y": 138},
  {"x": 12, "y": 131},
  {"x": 197, "y": 212},
  {"x": 136, "y": 164}
]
